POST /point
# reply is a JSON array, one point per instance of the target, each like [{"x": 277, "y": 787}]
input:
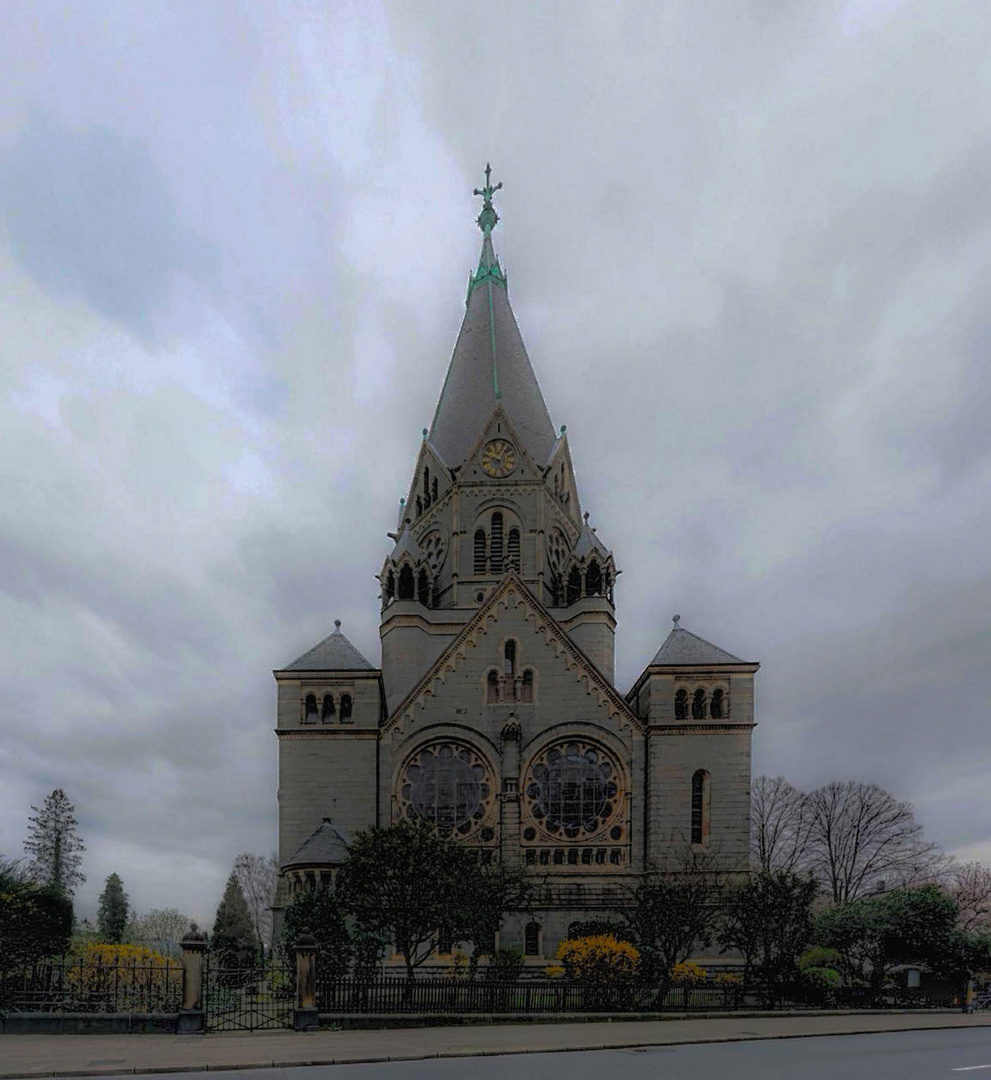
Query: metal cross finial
[{"x": 488, "y": 217}]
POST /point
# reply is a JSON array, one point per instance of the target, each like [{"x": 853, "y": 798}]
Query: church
[{"x": 493, "y": 714}]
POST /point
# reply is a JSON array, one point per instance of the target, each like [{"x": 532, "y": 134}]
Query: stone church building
[{"x": 493, "y": 714}]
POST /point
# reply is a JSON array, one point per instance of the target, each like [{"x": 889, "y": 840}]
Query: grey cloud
[{"x": 92, "y": 218}]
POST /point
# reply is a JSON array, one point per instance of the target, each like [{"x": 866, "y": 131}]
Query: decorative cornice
[
  {"x": 534, "y": 611},
  {"x": 697, "y": 729},
  {"x": 326, "y": 733},
  {"x": 287, "y": 675}
]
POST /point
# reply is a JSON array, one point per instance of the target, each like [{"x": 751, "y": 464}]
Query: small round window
[{"x": 448, "y": 785}]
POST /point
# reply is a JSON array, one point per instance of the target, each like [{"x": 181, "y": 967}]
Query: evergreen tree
[
  {"x": 234, "y": 937},
  {"x": 112, "y": 914},
  {"x": 54, "y": 846}
]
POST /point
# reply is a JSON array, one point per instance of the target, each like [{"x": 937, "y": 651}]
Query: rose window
[
  {"x": 572, "y": 791},
  {"x": 450, "y": 786}
]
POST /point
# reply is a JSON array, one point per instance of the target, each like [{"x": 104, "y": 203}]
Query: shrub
[
  {"x": 506, "y": 965},
  {"x": 599, "y": 959},
  {"x": 122, "y": 978},
  {"x": 688, "y": 973},
  {"x": 728, "y": 979},
  {"x": 554, "y": 971},
  {"x": 319, "y": 912}
]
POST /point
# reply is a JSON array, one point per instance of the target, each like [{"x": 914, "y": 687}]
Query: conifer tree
[
  {"x": 53, "y": 844},
  {"x": 234, "y": 938},
  {"x": 112, "y": 914}
]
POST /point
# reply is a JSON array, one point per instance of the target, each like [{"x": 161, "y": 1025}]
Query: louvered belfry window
[
  {"x": 495, "y": 549},
  {"x": 513, "y": 549},
  {"x": 479, "y": 551}
]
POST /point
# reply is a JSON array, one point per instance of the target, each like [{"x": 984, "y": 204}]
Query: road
[{"x": 963, "y": 1054}]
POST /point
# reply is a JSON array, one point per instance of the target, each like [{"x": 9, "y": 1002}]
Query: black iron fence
[{"x": 76, "y": 985}]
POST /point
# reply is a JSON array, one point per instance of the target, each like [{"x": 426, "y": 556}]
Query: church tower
[
  {"x": 493, "y": 490},
  {"x": 494, "y": 716}
]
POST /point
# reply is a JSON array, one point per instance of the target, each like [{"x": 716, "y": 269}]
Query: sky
[{"x": 749, "y": 249}]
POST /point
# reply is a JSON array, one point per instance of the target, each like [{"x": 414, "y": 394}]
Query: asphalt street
[{"x": 906, "y": 1055}]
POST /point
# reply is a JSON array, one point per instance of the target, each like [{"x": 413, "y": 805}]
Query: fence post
[
  {"x": 306, "y": 1016},
  {"x": 192, "y": 1017}
]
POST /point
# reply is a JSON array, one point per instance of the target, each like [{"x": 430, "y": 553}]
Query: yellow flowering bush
[
  {"x": 554, "y": 971},
  {"x": 600, "y": 959},
  {"x": 727, "y": 978},
  {"x": 687, "y": 973},
  {"x": 123, "y": 978}
]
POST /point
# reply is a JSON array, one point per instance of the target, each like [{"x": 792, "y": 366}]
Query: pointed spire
[{"x": 489, "y": 366}]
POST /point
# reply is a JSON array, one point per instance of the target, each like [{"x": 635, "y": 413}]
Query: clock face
[{"x": 498, "y": 458}]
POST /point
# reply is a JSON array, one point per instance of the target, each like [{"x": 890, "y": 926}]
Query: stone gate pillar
[
  {"x": 192, "y": 1016},
  {"x": 306, "y": 1017}
]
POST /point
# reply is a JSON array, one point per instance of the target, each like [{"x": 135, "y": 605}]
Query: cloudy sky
[{"x": 749, "y": 248}]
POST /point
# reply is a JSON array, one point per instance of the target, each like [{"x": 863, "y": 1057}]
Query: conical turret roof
[{"x": 489, "y": 366}]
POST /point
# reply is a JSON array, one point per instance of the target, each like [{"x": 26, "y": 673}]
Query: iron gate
[{"x": 248, "y": 998}]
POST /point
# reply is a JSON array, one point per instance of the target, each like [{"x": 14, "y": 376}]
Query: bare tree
[
  {"x": 160, "y": 929},
  {"x": 779, "y": 825},
  {"x": 860, "y": 835},
  {"x": 257, "y": 875},
  {"x": 970, "y": 885}
]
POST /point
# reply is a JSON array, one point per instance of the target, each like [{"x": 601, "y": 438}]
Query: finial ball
[
  {"x": 337, "y": 624},
  {"x": 676, "y": 620}
]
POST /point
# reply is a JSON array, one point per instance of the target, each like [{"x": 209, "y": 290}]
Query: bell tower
[{"x": 493, "y": 491}]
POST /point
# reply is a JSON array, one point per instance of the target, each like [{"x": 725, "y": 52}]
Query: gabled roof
[
  {"x": 406, "y": 545},
  {"x": 448, "y": 657},
  {"x": 327, "y": 845},
  {"x": 682, "y": 647},
  {"x": 334, "y": 653},
  {"x": 588, "y": 544},
  {"x": 489, "y": 367}
]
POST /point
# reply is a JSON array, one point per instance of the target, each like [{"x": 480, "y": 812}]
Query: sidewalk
[{"x": 105, "y": 1055}]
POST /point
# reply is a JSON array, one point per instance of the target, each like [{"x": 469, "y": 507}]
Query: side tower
[
  {"x": 330, "y": 708},
  {"x": 696, "y": 702}
]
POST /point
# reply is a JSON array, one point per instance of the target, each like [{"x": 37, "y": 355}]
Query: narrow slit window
[
  {"x": 593, "y": 580},
  {"x": 390, "y": 586},
  {"x": 423, "y": 589},
  {"x": 310, "y": 716},
  {"x": 510, "y": 657},
  {"x": 717, "y": 706},
  {"x": 700, "y": 807},
  {"x": 531, "y": 938},
  {"x": 698, "y": 705},
  {"x": 327, "y": 713},
  {"x": 407, "y": 583},
  {"x": 492, "y": 688},
  {"x": 574, "y": 585},
  {"x": 345, "y": 708},
  {"x": 527, "y": 687}
]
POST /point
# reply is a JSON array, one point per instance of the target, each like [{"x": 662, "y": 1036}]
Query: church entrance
[{"x": 257, "y": 998}]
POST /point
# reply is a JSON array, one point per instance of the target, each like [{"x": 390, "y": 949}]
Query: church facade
[{"x": 493, "y": 714}]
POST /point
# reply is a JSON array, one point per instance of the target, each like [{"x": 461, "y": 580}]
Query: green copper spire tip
[{"x": 488, "y": 217}]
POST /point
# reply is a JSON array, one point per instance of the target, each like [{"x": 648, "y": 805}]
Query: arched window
[
  {"x": 681, "y": 705},
  {"x": 345, "y": 708},
  {"x": 423, "y": 589},
  {"x": 700, "y": 807},
  {"x": 479, "y": 551},
  {"x": 407, "y": 586},
  {"x": 419, "y": 506},
  {"x": 513, "y": 549},
  {"x": 510, "y": 657},
  {"x": 717, "y": 706},
  {"x": 574, "y": 585},
  {"x": 527, "y": 694},
  {"x": 390, "y": 586},
  {"x": 531, "y": 939},
  {"x": 593, "y": 579},
  {"x": 495, "y": 549},
  {"x": 698, "y": 705},
  {"x": 327, "y": 712},
  {"x": 311, "y": 709},
  {"x": 492, "y": 688}
]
